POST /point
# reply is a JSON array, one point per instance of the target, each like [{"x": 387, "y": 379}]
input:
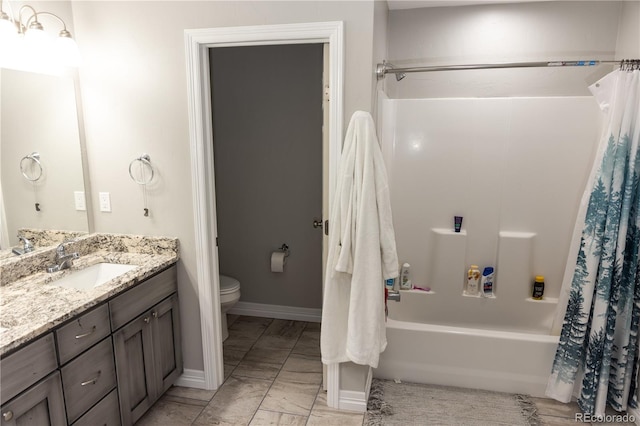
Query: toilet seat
[{"x": 228, "y": 285}]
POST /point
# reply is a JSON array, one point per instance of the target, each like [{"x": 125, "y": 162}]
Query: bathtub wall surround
[{"x": 515, "y": 170}]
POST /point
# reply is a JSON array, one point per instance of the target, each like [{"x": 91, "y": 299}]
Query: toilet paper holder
[{"x": 285, "y": 249}]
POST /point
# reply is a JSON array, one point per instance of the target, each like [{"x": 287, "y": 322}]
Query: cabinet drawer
[
  {"x": 129, "y": 305},
  {"x": 88, "y": 378},
  {"x": 82, "y": 333},
  {"x": 21, "y": 369},
  {"x": 106, "y": 412}
]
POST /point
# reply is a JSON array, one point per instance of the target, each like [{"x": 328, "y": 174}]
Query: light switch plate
[
  {"x": 78, "y": 196},
  {"x": 105, "y": 201}
]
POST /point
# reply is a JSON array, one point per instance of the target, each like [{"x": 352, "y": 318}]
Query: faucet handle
[
  {"x": 27, "y": 246},
  {"x": 60, "y": 249}
]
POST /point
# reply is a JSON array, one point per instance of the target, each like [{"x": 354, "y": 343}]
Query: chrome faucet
[
  {"x": 27, "y": 246},
  {"x": 63, "y": 260},
  {"x": 394, "y": 295}
]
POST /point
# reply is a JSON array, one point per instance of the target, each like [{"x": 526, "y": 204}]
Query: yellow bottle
[{"x": 538, "y": 288}]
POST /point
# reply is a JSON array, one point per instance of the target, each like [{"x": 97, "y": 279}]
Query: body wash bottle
[{"x": 473, "y": 280}]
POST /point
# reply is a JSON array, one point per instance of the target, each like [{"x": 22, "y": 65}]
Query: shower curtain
[{"x": 597, "y": 356}]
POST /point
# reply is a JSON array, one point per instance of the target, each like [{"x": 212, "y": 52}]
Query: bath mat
[{"x": 405, "y": 404}]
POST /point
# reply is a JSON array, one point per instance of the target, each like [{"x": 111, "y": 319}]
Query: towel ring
[
  {"x": 33, "y": 158},
  {"x": 146, "y": 161}
]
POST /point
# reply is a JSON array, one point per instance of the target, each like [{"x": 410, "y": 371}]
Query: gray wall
[{"x": 267, "y": 121}]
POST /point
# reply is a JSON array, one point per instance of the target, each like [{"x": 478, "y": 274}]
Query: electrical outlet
[
  {"x": 105, "y": 201},
  {"x": 78, "y": 196}
]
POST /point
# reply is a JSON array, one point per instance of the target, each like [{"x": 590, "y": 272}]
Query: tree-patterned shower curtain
[{"x": 597, "y": 356}]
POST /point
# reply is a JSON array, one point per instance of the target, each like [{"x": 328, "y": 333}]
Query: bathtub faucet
[{"x": 393, "y": 295}]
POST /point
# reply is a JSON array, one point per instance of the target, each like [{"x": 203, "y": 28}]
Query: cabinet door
[
  {"x": 42, "y": 404},
  {"x": 136, "y": 373},
  {"x": 167, "y": 345}
]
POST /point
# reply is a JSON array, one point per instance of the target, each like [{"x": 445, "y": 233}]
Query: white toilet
[{"x": 229, "y": 296}]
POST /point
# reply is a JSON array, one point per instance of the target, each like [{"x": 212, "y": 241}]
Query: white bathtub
[{"x": 496, "y": 360}]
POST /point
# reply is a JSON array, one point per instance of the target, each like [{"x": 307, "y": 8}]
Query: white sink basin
[{"x": 93, "y": 276}]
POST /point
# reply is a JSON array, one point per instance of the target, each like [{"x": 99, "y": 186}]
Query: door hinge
[{"x": 326, "y": 93}]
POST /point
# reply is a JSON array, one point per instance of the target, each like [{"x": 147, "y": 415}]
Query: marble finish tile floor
[{"x": 273, "y": 376}]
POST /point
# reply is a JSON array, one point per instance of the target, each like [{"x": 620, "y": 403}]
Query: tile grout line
[
  {"x": 281, "y": 367},
  {"x": 234, "y": 368}
]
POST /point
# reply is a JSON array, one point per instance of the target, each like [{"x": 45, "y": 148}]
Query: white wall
[
  {"x": 135, "y": 100},
  {"x": 502, "y": 33},
  {"x": 628, "y": 45}
]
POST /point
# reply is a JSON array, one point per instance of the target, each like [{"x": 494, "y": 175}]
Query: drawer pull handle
[
  {"x": 92, "y": 381},
  {"x": 154, "y": 314},
  {"x": 147, "y": 319},
  {"x": 88, "y": 333},
  {"x": 7, "y": 416}
]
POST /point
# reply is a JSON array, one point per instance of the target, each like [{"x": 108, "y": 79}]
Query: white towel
[{"x": 362, "y": 252}]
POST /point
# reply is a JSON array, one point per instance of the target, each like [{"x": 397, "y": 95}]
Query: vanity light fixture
[{"x": 24, "y": 43}]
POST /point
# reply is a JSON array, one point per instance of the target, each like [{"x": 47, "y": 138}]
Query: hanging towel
[{"x": 362, "y": 252}]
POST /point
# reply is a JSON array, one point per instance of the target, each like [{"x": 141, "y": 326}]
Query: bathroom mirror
[{"x": 41, "y": 164}]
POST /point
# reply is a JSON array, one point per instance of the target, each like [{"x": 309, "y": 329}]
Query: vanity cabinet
[
  {"x": 32, "y": 368},
  {"x": 110, "y": 364},
  {"x": 42, "y": 404},
  {"x": 147, "y": 348}
]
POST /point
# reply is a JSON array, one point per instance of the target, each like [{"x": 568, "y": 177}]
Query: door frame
[{"x": 197, "y": 43}]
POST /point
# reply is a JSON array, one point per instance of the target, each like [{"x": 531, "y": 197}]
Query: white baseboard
[
  {"x": 277, "y": 311},
  {"x": 352, "y": 401},
  {"x": 191, "y": 379},
  {"x": 356, "y": 400}
]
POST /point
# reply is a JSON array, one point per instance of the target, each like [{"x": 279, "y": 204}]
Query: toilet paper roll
[{"x": 278, "y": 260}]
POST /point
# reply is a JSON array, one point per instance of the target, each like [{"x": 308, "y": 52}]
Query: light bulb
[
  {"x": 67, "y": 53},
  {"x": 37, "y": 50},
  {"x": 8, "y": 30},
  {"x": 8, "y": 42}
]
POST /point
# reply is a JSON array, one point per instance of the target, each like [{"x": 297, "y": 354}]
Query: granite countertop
[{"x": 30, "y": 305}]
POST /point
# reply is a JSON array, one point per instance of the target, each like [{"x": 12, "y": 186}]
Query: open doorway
[
  {"x": 198, "y": 43},
  {"x": 267, "y": 140}
]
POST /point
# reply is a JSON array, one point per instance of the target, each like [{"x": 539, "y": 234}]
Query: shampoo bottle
[
  {"x": 473, "y": 280},
  {"x": 487, "y": 281},
  {"x": 405, "y": 282}
]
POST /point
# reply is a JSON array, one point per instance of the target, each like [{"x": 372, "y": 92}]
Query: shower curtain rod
[{"x": 387, "y": 68}]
